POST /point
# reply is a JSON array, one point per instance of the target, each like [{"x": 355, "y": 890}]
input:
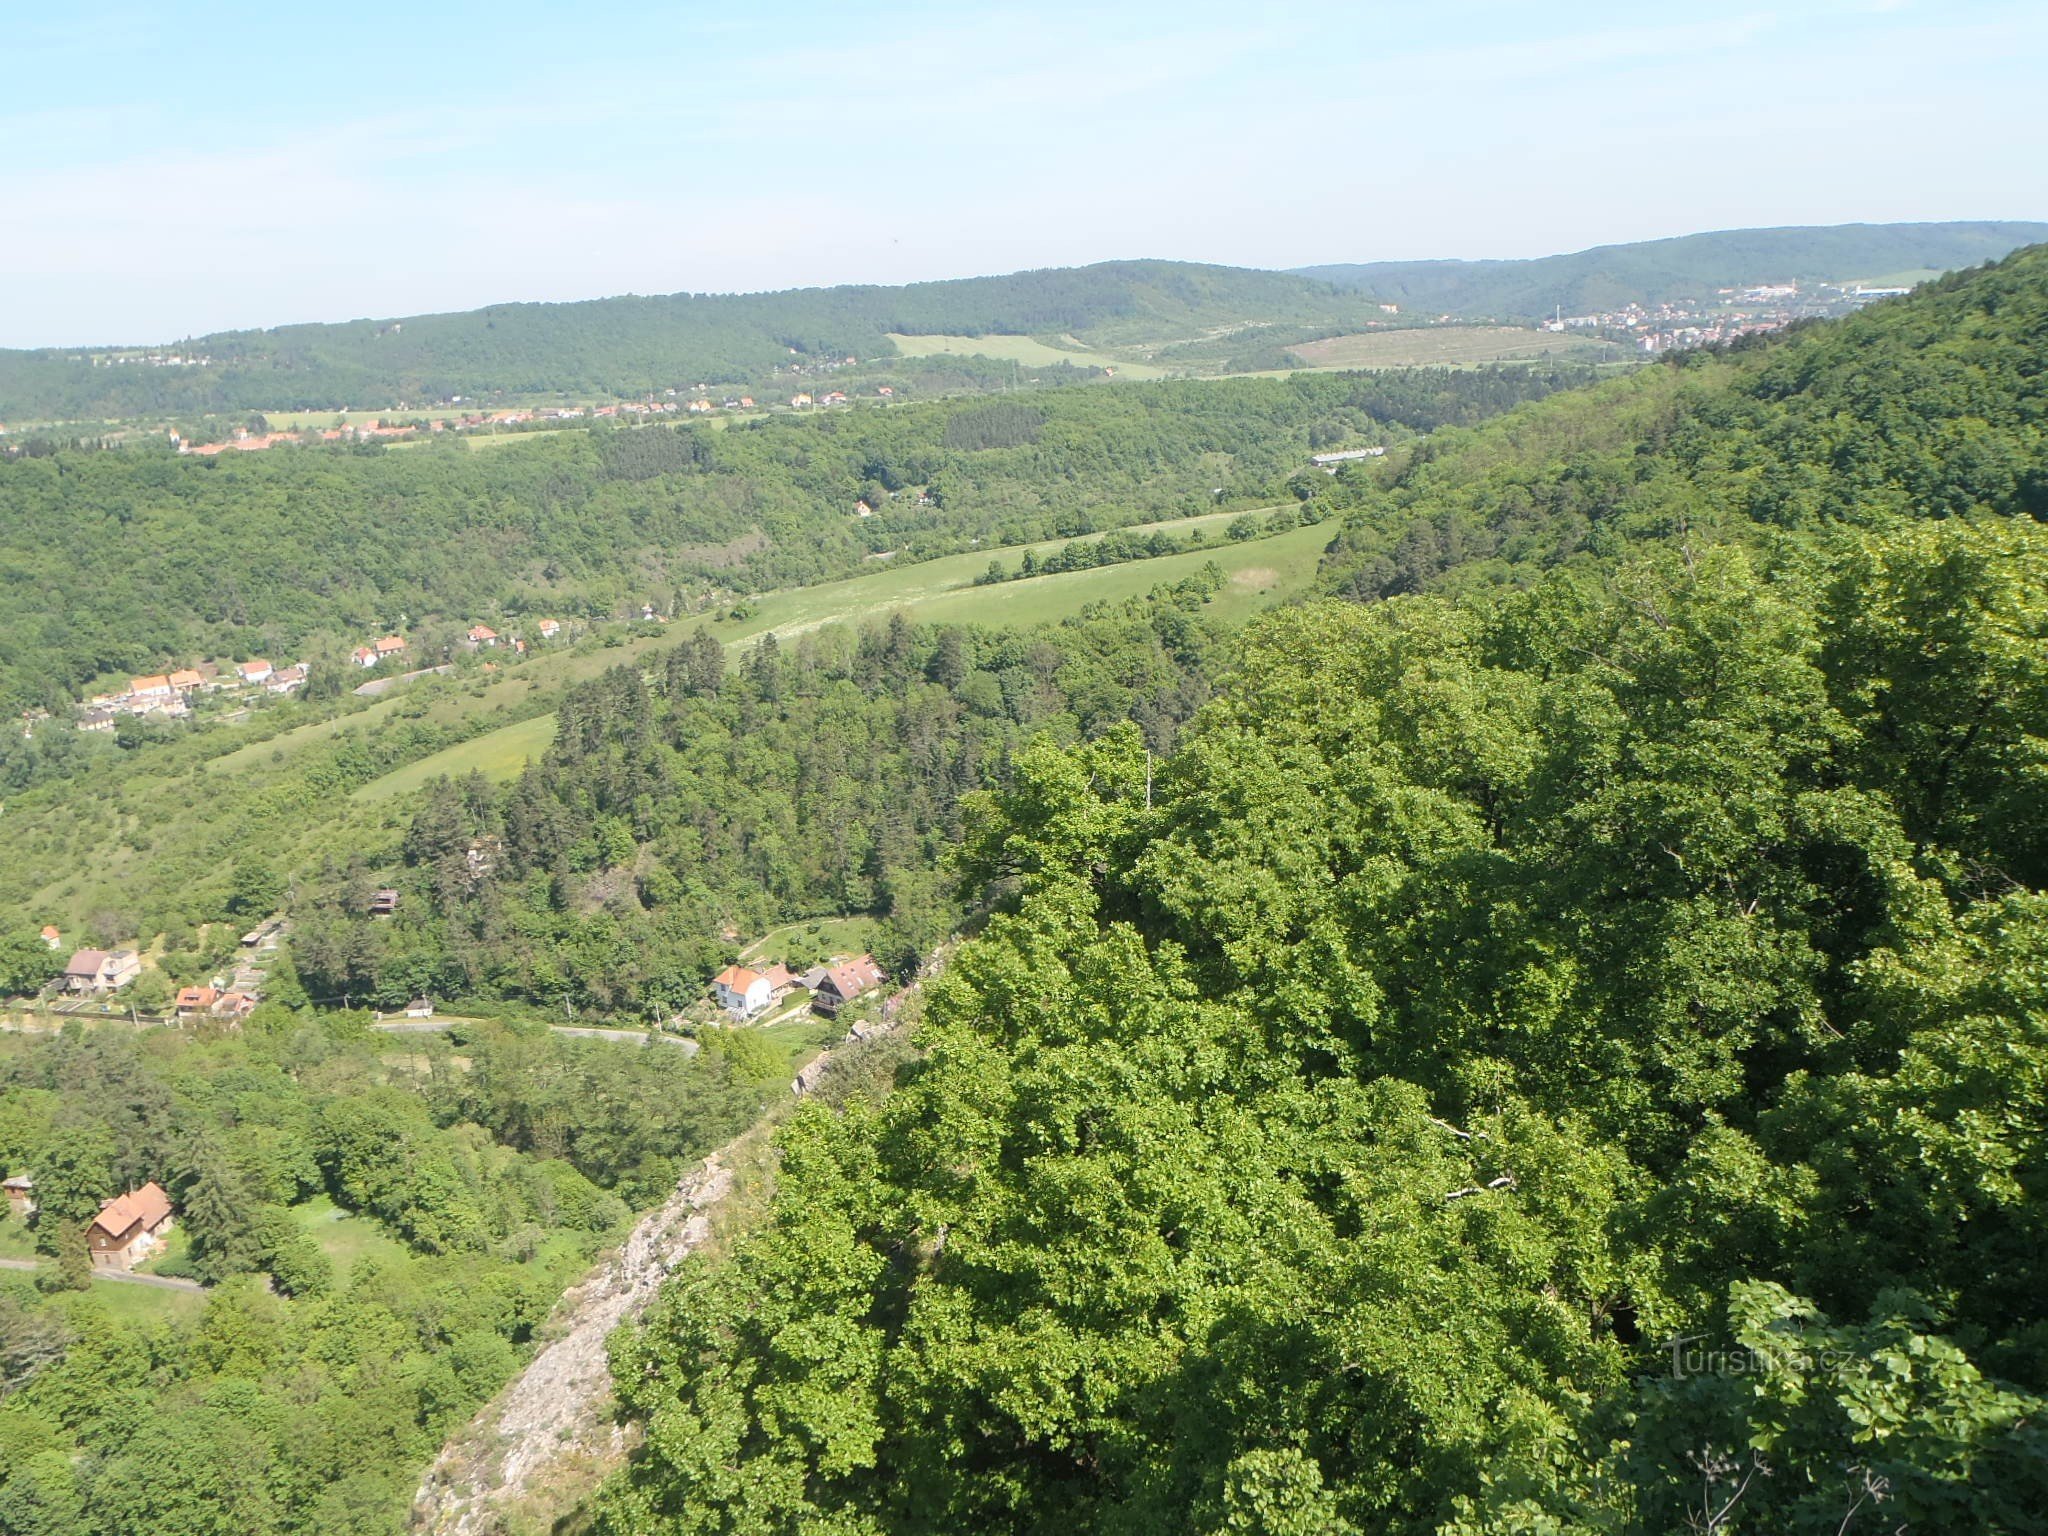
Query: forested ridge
[
  {"x": 1557, "y": 1045},
  {"x": 1936, "y": 406},
  {"x": 132, "y": 561},
  {"x": 631, "y": 345},
  {"x": 1686, "y": 266}
]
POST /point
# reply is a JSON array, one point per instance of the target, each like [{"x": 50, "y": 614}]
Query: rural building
[
  {"x": 188, "y": 680},
  {"x": 390, "y": 645},
  {"x": 549, "y": 628},
  {"x": 383, "y": 903},
  {"x": 363, "y": 656},
  {"x": 264, "y": 935},
  {"x": 286, "y": 680},
  {"x": 195, "y": 1000},
  {"x": 482, "y": 634},
  {"x": 420, "y": 1008},
  {"x": 129, "y": 1228},
  {"x": 741, "y": 992},
  {"x": 843, "y": 983},
  {"x": 779, "y": 978},
  {"x": 51, "y": 937},
  {"x": 100, "y": 970},
  {"x": 158, "y": 687},
  {"x": 234, "y": 1005},
  {"x": 21, "y": 1196},
  {"x": 255, "y": 670}
]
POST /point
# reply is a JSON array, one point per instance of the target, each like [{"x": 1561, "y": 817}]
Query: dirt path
[{"x": 556, "y": 1414}]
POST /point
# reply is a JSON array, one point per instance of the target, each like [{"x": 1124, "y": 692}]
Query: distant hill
[
  {"x": 628, "y": 346},
  {"x": 1689, "y": 266},
  {"x": 1196, "y": 316}
]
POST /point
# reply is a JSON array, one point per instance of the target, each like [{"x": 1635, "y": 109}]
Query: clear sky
[{"x": 174, "y": 169}]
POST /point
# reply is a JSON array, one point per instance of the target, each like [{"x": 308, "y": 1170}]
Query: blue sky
[{"x": 174, "y": 169}]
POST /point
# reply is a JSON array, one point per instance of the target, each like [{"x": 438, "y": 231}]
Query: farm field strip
[{"x": 1026, "y": 350}]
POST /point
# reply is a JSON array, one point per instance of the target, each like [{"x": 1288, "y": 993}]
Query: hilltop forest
[{"x": 1558, "y": 1046}]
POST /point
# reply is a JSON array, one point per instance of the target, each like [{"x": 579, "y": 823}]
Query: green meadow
[{"x": 1026, "y": 350}]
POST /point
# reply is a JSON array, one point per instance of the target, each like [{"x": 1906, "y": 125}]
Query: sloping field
[
  {"x": 498, "y": 755},
  {"x": 1028, "y": 350},
  {"x": 1448, "y": 346}
]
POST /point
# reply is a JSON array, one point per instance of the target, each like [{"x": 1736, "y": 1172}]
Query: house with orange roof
[
  {"x": 51, "y": 937},
  {"x": 390, "y": 645},
  {"x": 188, "y": 680},
  {"x": 129, "y": 1228},
  {"x": 193, "y": 1000},
  {"x": 158, "y": 687},
  {"x": 363, "y": 656},
  {"x": 482, "y": 634},
  {"x": 254, "y": 670},
  {"x": 742, "y": 992}
]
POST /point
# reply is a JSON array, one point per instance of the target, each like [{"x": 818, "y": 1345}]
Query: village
[
  {"x": 175, "y": 694},
  {"x": 698, "y": 401},
  {"x": 170, "y": 695}
]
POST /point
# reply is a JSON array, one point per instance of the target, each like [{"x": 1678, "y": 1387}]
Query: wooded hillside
[{"x": 1639, "y": 942}]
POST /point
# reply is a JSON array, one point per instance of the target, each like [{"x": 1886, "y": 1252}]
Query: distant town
[{"x": 1683, "y": 324}]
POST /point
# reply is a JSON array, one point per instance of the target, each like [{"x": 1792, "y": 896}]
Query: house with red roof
[
  {"x": 129, "y": 1228},
  {"x": 841, "y": 984}
]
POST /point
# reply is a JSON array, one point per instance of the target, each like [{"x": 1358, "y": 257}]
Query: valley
[{"x": 1029, "y": 943}]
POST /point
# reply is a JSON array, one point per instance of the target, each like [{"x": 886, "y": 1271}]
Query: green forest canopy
[{"x": 1630, "y": 932}]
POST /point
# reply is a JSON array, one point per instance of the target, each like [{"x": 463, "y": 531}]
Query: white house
[{"x": 741, "y": 992}]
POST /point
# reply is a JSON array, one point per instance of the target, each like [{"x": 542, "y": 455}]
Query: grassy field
[
  {"x": 825, "y": 935},
  {"x": 1447, "y": 346},
  {"x": 501, "y": 755},
  {"x": 1027, "y": 350},
  {"x": 345, "y": 1237},
  {"x": 123, "y": 1303}
]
